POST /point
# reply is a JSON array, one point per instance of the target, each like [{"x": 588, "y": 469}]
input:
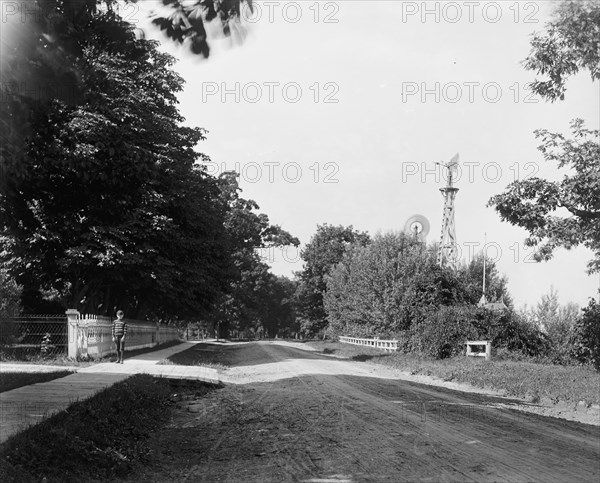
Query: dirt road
[{"x": 291, "y": 415}]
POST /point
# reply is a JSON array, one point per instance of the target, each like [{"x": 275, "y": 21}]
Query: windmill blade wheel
[{"x": 418, "y": 226}]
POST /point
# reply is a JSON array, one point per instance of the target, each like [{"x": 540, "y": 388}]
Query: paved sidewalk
[
  {"x": 148, "y": 364},
  {"x": 28, "y": 405}
]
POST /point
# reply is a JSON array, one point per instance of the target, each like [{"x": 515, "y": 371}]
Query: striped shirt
[{"x": 119, "y": 328}]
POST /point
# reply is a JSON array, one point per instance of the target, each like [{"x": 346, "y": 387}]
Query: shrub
[
  {"x": 517, "y": 333},
  {"x": 10, "y": 301},
  {"x": 563, "y": 345},
  {"x": 10, "y": 306},
  {"x": 586, "y": 348},
  {"x": 7, "y": 332},
  {"x": 443, "y": 333},
  {"x": 46, "y": 346}
]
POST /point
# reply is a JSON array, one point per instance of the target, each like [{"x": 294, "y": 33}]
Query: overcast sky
[{"x": 336, "y": 112}]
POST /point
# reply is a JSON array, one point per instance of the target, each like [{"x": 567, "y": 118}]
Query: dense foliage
[
  {"x": 384, "y": 287},
  {"x": 44, "y": 42},
  {"x": 395, "y": 283},
  {"x": 256, "y": 303},
  {"x": 10, "y": 295},
  {"x": 104, "y": 204},
  {"x": 563, "y": 213},
  {"x": 324, "y": 250},
  {"x": 394, "y": 288},
  {"x": 570, "y": 43},
  {"x": 186, "y": 20},
  {"x": 587, "y": 336}
]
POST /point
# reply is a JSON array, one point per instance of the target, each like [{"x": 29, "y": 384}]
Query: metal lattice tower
[{"x": 448, "y": 250}]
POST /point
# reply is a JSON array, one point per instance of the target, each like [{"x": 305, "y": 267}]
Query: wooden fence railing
[{"x": 388, "y": 345}]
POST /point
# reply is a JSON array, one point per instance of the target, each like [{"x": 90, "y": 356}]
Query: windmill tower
[{"x": 448, "y": 251}]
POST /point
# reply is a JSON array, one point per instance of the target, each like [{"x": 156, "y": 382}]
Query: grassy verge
[
  {"x": 63, "y": 360},
  {"x": 55, "y": 360},
  {"x": 13, "y": 380},
  {"x": 347, "y": 351},
  {"x": 94, "y": 440},
  {"x": 199, "y": 356},
  {"x": 569, "y": 384}
]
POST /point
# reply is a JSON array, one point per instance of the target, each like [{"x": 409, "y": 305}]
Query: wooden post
[{"x": 488, "y": 350}]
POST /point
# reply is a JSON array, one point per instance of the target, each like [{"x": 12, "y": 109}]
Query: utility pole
[{"x": 483, "y": 300}]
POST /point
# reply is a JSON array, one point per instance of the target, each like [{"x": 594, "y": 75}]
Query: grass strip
[
  {"x": 13, "y": 380},
  {"x": 200, "y": 355},
  {"x": 99, "y": 439},
  {"x": 62, "y": 360},
  {"x": 528, "y": 380}
]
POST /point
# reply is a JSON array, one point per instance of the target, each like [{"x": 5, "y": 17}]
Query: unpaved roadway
[{"x": 286, "y": 414}]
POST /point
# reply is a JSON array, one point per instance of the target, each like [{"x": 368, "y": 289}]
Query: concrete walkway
[{"x": 28, "y": 405}]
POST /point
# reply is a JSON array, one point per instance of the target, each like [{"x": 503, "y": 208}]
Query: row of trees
[
  {"x": 563, "y": 213},
  {"x": 393, "y": 283},
  {"x": 103, "y": 200},
  {"x": 390, "y": 286}
]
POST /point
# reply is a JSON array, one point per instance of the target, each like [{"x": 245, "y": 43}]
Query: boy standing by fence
[{"x": 119, "y": 330}]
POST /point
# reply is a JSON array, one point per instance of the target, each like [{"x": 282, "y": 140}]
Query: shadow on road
[
  {"x": 368, "y": 357},
  {"x": 240, "y": 354}
]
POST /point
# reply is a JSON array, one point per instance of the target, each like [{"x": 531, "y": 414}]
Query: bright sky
[{"x": 335, "y": 112}]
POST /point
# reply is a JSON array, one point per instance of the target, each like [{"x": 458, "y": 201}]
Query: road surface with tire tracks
[{"x": 287, "y": 414}]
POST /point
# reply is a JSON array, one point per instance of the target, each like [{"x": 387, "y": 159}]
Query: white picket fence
[
  {"x": 388, "y": 345},
  {"x": 91, "y": 335}
]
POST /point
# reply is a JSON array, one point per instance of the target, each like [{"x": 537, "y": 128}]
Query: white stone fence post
[
  {"x": 486, "y": 344},
  {"x": 91, "y": 335}
]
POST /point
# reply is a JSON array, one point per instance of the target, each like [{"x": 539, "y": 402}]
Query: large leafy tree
[
  {"x": 392, "y": 284},
  {"x": 380, "y": 288},
  {"x": 245, "y": 304},
  {"x": 468, "y": 283},
  {"x": 563, "y": 213},
  {"x": 278, "y": 307},
  {"x": 558, "y": 323},
  {"x": 185, "y": 20},
  {"x": 43, "y": 42},
  {"x": 103, "y": 200},
  {"x": 104, "y": 205},
  {"x": 325, "y": 249},
  {"x": 393, "y": 287},
  {"x": 570, "y": 43}
]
